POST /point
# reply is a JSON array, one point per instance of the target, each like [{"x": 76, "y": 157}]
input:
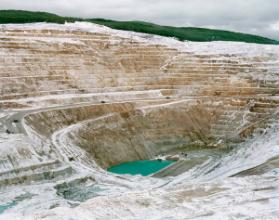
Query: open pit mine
[{"x": 79, "y": 100}]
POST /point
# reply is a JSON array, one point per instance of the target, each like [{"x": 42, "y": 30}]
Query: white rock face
[{"x": 78, "y": 98}]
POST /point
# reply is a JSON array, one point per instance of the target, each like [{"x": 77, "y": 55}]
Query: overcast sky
[{"x": 250, "y": 16}]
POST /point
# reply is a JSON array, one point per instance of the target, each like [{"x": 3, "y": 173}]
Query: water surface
[
  {"x": 142, "y": 167},
  {"x": 6, "y": 206}
]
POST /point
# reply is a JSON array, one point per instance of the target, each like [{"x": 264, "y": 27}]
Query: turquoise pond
[
  {"x": 142, "y": 167},
  {"x": 6, "y": 206},
  {"x": 20, "y": 198}
]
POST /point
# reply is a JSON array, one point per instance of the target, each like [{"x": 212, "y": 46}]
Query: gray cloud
[{"x": 251, "y": 16}]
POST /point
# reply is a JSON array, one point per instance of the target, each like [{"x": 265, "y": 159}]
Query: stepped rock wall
[{"x": 130, "y": 97}]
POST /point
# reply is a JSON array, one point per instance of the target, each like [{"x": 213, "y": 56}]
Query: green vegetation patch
[
  {"x": 180, "y": 33},
  {"x": 20, "y": 17},
  {"x": 184, "y": 33}
]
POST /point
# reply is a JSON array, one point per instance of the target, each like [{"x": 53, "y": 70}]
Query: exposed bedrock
[
  {"x": 116, "y": 133},
  {"x": 88, "y": 93}
]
